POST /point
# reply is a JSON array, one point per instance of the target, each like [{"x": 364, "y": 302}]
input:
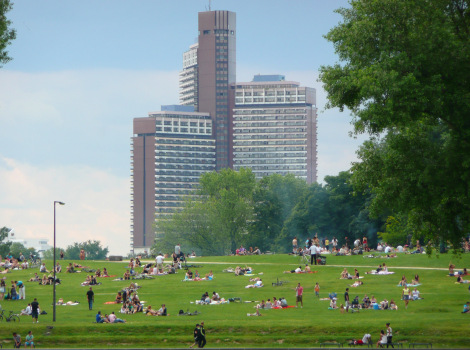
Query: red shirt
[{"x": 299, "y": 290}]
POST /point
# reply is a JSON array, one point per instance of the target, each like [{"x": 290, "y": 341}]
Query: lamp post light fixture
[{"x": 53, "y": 267}]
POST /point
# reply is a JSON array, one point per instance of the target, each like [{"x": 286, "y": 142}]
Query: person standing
[
  {"x": 327, "y": 244},
  {"x": 177, "y": 249},
  {"x": 82, "y": 254},
  {"x": 62, "y": 255},
  {"x": 313, "y": 254},
  {"x": 334, "y": 242},
  {"x": 299, "y": 290},
  {"x": 346, "y": 299},
  {"x": 405, "y": 295},
  {"x": 159, "y": 262},
  {"x": 294, "y": 245},
  {"x": 317, "y": 290},
  {"x": 389, "y": 335},
  {"x": 91, "y": 298},
  {"x": 35, "y": 310},
  {"x": 202, "y": 336},
  {"x": 21, "y": 290}
]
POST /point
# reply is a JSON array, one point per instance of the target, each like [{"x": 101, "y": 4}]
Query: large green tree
[
  {"x": 4, "y": 246},
  {"x": 93, "y": 250},
  {"x": 217, "y": 220},
  {"x": 274, "y": 198},
  {"x": 405, "y": 76},
  {"x": 7, "y": 34}
]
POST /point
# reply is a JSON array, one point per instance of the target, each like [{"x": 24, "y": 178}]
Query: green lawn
[{"x": 437, "y": 318}]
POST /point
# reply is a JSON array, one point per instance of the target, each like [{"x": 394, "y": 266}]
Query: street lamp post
[{"x": 53, "y": 267}]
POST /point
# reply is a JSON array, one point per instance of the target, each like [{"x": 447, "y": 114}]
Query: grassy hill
[{"x": 437, "y": 318}]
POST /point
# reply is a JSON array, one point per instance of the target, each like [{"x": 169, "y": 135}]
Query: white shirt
[
  {"x": 297, "y": 270},
  {"x": 388, "y": 249},
  {"x": 334, "y": 242},
  {"x": 365, "y": 338},
  {"x": 318, "y": 250},
  {"x": 313, "y": 249},
  {"x": 159, "y": 259}
]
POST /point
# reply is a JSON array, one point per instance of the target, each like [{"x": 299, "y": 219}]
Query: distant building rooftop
[
  {"x": 269, "y": 77},
  {"x": 177, "y": 108}
]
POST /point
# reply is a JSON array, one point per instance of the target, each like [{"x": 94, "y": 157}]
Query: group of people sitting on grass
[
  {"x": 346, "y": 275},
  {"x": 111, "y": 318},
  {"x": 190, "y": 276},
  {"x": 208, "y": 299},
  {"x": 160, "y": 312},
  {"x": 403, "y": 282},
  {"x": 240, "y": 271},
  {"x": 250, "y": 251}
]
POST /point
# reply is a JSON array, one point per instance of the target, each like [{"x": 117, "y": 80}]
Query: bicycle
[
  {"x": 34, "y": 261},
  {"x": 10, "y": 318}
]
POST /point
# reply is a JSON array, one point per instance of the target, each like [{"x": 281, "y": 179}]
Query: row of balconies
[
  {"x": 285, "y": 164},
  {"x": 257, "y": 123},
  {"x": 268, "y": 136},
  {"x": 277, "y": 130},
  {"x": 238, "y": 111}
]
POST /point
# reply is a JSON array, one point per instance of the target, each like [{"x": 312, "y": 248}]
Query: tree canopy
[
  {"x": 7, "y": 34},
  {"x": 405, "y": 76},
  {"x": 93, "y": 250},
  {"x": 4, "y": 246}
]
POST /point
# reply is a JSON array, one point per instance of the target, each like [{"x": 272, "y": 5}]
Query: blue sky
[{"x": 82, "y": 70}]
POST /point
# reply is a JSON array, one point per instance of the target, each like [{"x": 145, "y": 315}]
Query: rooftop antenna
[{"x": 209, "y": 5}]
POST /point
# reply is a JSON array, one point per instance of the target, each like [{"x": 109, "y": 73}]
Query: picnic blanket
[
  {"x": 381, "y": 273},
  {"x": 410, "y": 285},
  {"x": 223, "y": 301},
  {"x": 282, "y": 307},
  {"x": 109, "y": 276}
]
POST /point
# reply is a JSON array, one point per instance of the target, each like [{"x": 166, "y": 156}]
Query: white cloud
[{"x": 97, "y": 204}]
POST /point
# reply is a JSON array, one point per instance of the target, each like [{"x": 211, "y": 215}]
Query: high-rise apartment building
[
  {"x": 188, "y": 78},
  {"x": 275, "y": 128},
  {"x": 216, "y": 71},
  {"x": 170, "y": 151}
]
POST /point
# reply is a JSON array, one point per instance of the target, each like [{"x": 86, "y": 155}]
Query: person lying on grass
[
  {"x": 36, "y": 278},
  {"x": 461, "y": 280},
  {"x": 257, "y": 284},
  {"x": 297, "y": 270},
  {"x": 357, "y": 284}
]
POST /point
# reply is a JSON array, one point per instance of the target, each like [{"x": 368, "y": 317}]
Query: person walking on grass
[
  {"x": 299, "y": 290},
  {"x": 197, "y": 335},
  {"x": 317, "y": 290},
  {"x": 202, "y": 336},
  {"x": 91, "y": 298},
  {"x": 346, "y": 299},
  {"x": 389, "y": 335}
]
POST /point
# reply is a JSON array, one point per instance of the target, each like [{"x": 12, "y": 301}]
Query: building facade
[
  {"x": 275, "y": 128},
  {"x": 216, "y": 60},
  {"x": 170, "y": 151},
  {"x": 188, "y": 78}
]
